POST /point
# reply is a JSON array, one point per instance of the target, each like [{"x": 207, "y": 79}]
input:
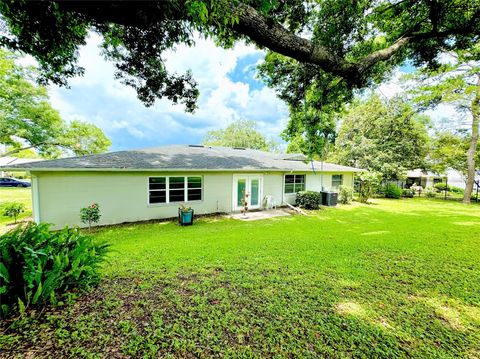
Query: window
[
  {"x": 194, "y": 190},
  {"x": 157, "y": 189},
  {"x": 294, "y": 183},
  {"x": 337, "y": 180},
  {"x": 174, "y": 189}
]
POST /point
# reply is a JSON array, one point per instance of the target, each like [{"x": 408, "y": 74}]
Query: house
[
  {"x": 149, "y": 184},
  {"x": 423, "y": 178}
]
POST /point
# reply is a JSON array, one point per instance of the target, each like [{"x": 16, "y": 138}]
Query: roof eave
[{"x": 89, "y": 169}]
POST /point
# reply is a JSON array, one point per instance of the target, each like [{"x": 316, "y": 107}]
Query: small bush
[
  {"x": 408, "y": 192},
  {"x": 38, "y": 266},
  {"x": 441, "y": 186},
  {"x": 457, "y": 190},
  {"x": 393, "y": 191},
  {"x": 368, "y": 184},
  {"x": 309, "y": 199},
  {"x": 345, "y": 194},
  {"x": 430, "y": 192},
  {"x": 90, "y": 214},
  {"x": 13, "y": 210}
]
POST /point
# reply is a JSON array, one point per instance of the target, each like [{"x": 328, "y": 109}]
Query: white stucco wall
[{"x": 123, "y": 196}]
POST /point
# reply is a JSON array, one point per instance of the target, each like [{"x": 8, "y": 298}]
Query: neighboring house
[
  {"x": 457, "y": 179},
  {"x": 422, "y": 178},
  {"x": 10, "y": 161},
  {"x": 427, "y": 178},
  {"x": 149, "y": 184}
]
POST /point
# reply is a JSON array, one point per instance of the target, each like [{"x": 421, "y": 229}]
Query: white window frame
[
  {"x": 167, "y": 190},
  {"x": 294, "y": 183},
  {"x": 341, "y": 182}
]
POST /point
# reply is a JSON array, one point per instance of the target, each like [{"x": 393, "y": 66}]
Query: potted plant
[{"x": 185, "y": 215}]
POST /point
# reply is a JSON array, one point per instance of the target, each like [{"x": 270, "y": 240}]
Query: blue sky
[{"x": 228, "y": 91}]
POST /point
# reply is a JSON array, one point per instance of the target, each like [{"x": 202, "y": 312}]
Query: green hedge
[
  {"x": 39, "y": 266},
  {"x": 309, "y": 199}
]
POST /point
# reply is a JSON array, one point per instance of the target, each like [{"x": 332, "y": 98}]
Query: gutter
[{"x": 241, "y": 170}]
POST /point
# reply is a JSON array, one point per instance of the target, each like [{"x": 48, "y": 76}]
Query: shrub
[
  {"x": 408, "y": 192},
  {"x": 369, "y": 182},
  {"x": 430, "y": 192},
  {"x": 13, "y": 210},
  {"x": 309, "y": 199},
  {"x": 39, "y": 266},
  {"x": 345, "y": 194},
  {"x": 90, "y": 214},
  {"x": 393, "y": 191},
  {"x": 457, "y": 190},
  {"x": 441, "y": 186}
]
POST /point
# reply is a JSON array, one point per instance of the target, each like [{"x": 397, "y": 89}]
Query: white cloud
[{"x": 98, "y": 98}]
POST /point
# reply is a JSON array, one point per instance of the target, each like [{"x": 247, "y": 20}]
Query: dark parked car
[{"x": 12, "y": 182}]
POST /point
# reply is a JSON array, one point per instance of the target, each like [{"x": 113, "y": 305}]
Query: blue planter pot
[{"x": 185, "y": 218}]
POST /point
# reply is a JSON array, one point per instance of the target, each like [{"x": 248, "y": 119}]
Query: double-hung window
[
  {"x": 171, "y": 189},
  {"x": 337, "y": 180},
  {"x": 294, "y": 183}
]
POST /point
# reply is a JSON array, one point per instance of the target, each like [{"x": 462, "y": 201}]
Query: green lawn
[
  {"x": 23, "y": 195},
  {"x": 397, "y": 278}
]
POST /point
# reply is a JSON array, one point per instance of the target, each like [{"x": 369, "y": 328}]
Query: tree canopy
[
  {"x": 28, "y": 121},
  {"x": 384, "y": 136},
  {"x": 327, "y": 48},
  {"x": 241, "y": 133},
  {"x": 455, "y": 82},
  {"x": 449, "y": 150}
]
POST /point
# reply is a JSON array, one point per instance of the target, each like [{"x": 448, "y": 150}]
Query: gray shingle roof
[{"x": 185, "y": 157}]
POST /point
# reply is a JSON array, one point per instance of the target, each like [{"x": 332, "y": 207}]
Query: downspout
[{"x": 35, "y": 199}]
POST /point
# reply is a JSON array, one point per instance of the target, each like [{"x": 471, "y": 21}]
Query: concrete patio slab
[{"x": 257, "y": 215}]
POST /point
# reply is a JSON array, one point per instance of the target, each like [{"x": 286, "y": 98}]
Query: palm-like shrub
[{"x": 39, "y": 266}]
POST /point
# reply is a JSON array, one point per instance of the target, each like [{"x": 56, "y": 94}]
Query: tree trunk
[{"x": 473, "y": 145}]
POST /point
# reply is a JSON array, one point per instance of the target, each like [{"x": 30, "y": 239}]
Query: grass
[
  {"x": 23, "y": 195},
  {"x": 397, "y": 278}
]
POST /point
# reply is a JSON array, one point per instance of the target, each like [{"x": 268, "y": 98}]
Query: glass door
[{"x": 247, "y": 188}]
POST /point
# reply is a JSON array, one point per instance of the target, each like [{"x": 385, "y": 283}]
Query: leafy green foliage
[
  {"x": 27, "y": 120},
  {"x": 456, "y": 83},
  {"x": 369, "y": 182},
  {"x": 240, "y": 134},
  {"x": 38, "y": 266},
  {"x": 408, "y": 192},
  {"x": 308, "y": 199},
  {"x": 345, "y": 194},
  {"x": 442, "y": 186},
  {"x": 384, "y": 136},
  {"x": 430, "y": 192},
  {"x": 325, "y": 285},
  {"x": 13, "y": 210},
  {"x": 8, "y": 195},
  {"x": 314, "y": 55},
  {"x": 393, "y": 191},
  {"x": 90, "y": 214},
  {"x": 449, "y": 150}
]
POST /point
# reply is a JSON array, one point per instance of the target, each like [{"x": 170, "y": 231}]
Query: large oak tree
[{"x": 318, "y": 52}]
